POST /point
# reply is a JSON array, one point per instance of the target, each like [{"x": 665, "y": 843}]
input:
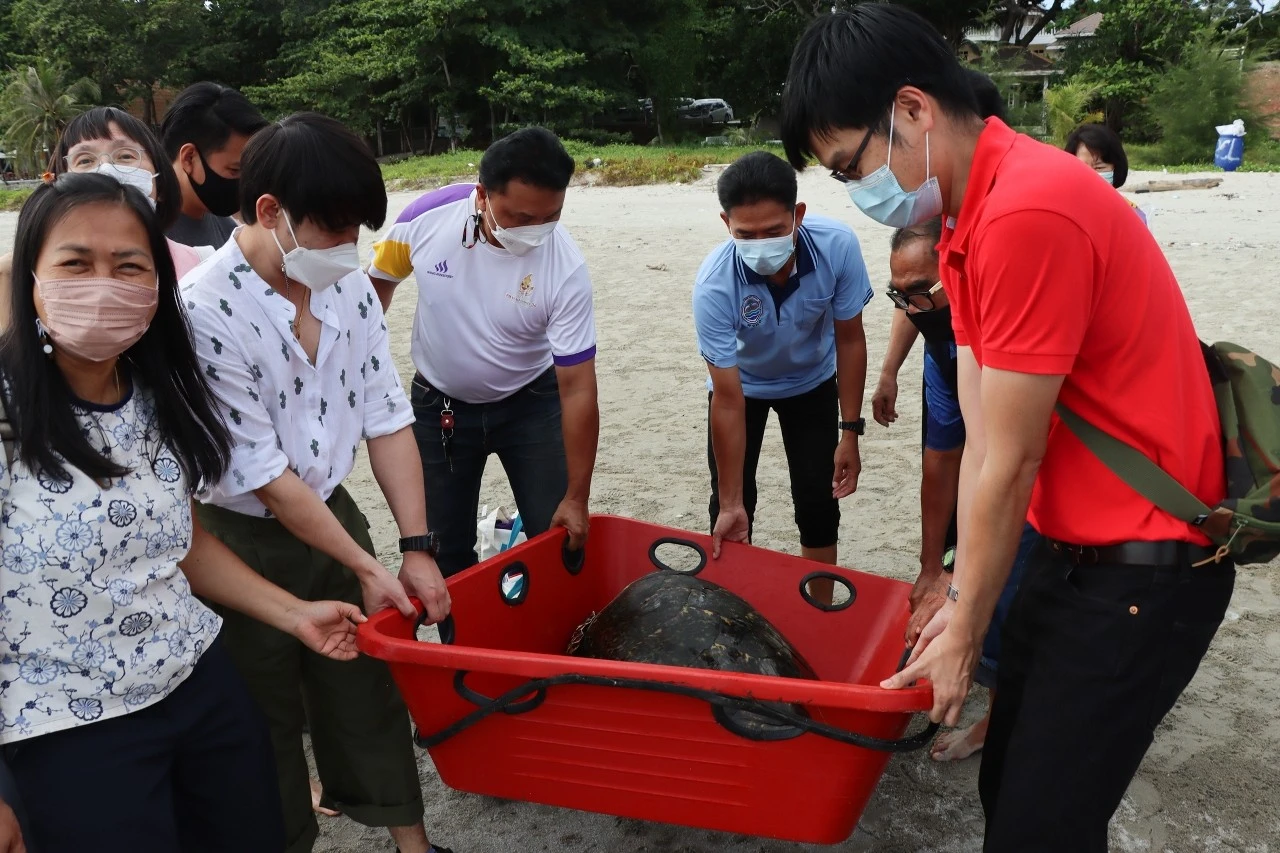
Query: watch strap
[
  {"x": 428, "y": 542},
  {"x": 858, "y": 427}
]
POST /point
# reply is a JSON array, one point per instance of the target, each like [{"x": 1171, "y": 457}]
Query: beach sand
[{"x": 1209, "y": 782}]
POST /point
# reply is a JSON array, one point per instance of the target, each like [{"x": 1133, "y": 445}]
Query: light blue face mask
[
  {"x": 1109, "y": 177},
  {"x": 880, "y": 196},
  {"x": 768, "y": 255}
]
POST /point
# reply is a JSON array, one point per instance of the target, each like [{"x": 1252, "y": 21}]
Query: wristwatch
[
  {"x": 428, "y": 542},
  {"x": 949, "y": 560},
  {"x": 858, "y": 427}
]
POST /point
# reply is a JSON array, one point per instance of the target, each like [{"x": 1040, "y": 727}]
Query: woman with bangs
[
  {"x": 293, "y": 341},
  {"x": 111, "y": 142}
]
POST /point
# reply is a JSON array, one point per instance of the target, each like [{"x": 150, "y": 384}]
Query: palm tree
[{"x": 35, "y": 106}]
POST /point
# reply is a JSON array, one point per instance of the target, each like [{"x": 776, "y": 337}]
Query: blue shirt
[{"x": 781, "y": 339}]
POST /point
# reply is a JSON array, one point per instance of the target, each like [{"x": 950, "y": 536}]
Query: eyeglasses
[
  {"x": 846, "y": 174},
  {"x": 918, "y": 297},
  {"x": 85, "y": 161}
]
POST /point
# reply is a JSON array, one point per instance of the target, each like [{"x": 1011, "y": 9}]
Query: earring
[{"x": 44, "y": 338}]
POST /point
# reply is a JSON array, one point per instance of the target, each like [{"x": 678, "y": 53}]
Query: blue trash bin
[{"x": 1230, "y": 153}]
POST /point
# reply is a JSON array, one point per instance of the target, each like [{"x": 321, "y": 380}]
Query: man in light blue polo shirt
[{"x": 778, "y": 311}]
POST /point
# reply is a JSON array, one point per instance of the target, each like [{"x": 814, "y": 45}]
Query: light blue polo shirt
[{"x": 781, "y": 339}]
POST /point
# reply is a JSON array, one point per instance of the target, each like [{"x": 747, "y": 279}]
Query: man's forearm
[
  {"x": 729, "y": 445},
  {"x": 939, "y": 488},
  {"x": 902, "y": 336},
  {"x": 992, "y": 528},
  {"x": 580, "y": 423},
  {"x": 303, "y": 514},
  {"x": 398, "y": 469},
  {"x": 385, "y": 290},
  {"x": 851, "y": 373}
]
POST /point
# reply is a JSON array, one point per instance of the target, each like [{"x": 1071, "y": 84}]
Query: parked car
[{"x": 706, "y": 111}]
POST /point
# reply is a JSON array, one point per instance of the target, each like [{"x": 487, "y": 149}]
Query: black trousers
[
  {"x": 192, "y": 773},
  {"x": 1093, "y": 658},
  {"x": 810, "y": 433}
]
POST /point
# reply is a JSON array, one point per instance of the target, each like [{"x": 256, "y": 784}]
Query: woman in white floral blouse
[{"x": 124, "y": 723}]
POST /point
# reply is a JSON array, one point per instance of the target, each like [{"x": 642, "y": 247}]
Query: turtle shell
[{"x": 680, "y": 620}]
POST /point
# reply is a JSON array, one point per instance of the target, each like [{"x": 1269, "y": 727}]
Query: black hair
[
  {"x": 990, "y": 102},
  {"x": 930, "y": 229},
  {"x": 39, "y": 401},
  {"x": 317, "y": 169},
  {"x": 758, "y": 176},
  {"x": 848, "y": 67},
  {"x": 533, "y": 155},
  {"x": 1104, "y": 142},
  {"x": 96, "y": 124},
  {"x": 206, "y": 114}
]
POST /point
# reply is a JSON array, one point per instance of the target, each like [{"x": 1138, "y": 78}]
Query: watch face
[{"x": 949, "y": 560}]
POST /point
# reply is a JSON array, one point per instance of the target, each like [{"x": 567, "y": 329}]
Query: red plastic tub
[{"x": 504, "y": 712}]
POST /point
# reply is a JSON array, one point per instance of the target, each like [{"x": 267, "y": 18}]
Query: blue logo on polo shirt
[
  {"x": 441, "y": 270},
  {"x": 752, "y": 311}
]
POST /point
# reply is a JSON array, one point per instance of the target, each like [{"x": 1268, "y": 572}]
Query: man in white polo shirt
[
  {"x": 778, "y": 312},
  {"x": 504, "y": 342}
]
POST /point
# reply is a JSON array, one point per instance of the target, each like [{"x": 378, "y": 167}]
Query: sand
[{"x": 1210, "y": 781}]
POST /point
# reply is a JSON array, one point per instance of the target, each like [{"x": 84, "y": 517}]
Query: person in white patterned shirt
[
  {"x": 294, "y": 344},
  {"x": 122, "y": 717}
]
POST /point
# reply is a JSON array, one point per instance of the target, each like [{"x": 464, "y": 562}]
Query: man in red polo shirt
[{"x": 1059, "y": 294}]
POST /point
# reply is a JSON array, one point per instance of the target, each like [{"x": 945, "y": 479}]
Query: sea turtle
[{"x": 667, "y": 617}]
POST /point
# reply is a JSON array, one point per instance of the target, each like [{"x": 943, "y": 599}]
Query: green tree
[
  {"x": 35, "y": 105},
  {"x": 1134, "y": 42},
  {"x": 1189, "y": 99},
  {"x": 129, "y": 48}
]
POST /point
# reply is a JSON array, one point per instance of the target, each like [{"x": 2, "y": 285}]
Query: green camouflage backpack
[{"x": 1246, "y": 525}]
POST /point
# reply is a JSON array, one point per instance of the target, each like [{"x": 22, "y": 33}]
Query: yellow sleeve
[{"x": 391, "y": 259}]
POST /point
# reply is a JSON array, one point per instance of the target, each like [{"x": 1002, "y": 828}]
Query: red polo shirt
[{"x": 1049, "y": 272}]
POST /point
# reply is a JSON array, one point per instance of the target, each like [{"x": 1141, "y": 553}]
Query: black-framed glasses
[
  {"x": 843, "y": 175},
  {"x": 919, "y": 298},
  {"x": 87, "y": 161}
]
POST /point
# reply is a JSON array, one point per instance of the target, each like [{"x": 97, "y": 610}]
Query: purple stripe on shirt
[
  {"x": 434, "y": 199},
  {"x": 577, "y": 358}
]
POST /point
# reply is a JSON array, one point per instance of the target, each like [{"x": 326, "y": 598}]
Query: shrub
[
  {"x": 1067, "y": 107},
  {"x": 1203, "y": 90}
]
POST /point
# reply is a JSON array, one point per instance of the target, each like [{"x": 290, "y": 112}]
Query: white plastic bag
[{"x": 496, "y": 531}]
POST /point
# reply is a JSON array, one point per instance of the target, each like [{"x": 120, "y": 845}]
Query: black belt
[{"x": 1164, "y": 553}]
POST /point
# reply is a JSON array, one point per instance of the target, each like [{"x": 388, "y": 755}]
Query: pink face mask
[{"x": 96, "y": 318}]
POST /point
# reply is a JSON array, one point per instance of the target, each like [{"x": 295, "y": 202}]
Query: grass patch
[
  {"x": 1259, "y": 156},
  {"x": 13, "y": 199},
  {"x": 618, "y": 166}
]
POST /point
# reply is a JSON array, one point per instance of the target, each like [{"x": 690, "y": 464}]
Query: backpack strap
[{"x": 1137, "y": 470}]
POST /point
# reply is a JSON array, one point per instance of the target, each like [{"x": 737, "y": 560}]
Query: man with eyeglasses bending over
[
  {"x": 778, "y": 313},
  {"x": 923, "y": 309}
]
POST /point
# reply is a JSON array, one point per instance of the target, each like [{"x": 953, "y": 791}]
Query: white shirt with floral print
[
  {"x": 283, "y": 411},
  {"x": 96, "y": 618}
]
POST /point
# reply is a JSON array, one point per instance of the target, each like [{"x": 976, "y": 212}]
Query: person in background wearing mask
[
  {"x": 124, "y": 723},
  {"x": 1100, "y": 149},
  {"x": 1042, "y": 264},
  {"x": 504, "y": 342},
  {"x": 204, "y": 132},
  {"x": 114, "y": 143},
  {"x": 922, "y": 305},
  {"x": 293, "y": 342},
  {"x": 778, "y": 313}
]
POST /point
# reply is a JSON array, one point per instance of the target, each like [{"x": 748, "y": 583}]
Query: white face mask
[
  {"x": 131, "y": 176},
  {"x": 523, "y": 239},
  {"x": 769, "y": 254},
  {"x": 318, "y": 269}
]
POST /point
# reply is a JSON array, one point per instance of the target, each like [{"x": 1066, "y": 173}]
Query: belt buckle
[{"x": 1081, "y": 555}]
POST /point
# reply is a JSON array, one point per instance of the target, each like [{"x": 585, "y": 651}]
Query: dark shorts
[
  {"x": 192, "y": 773},
  {"x": 810, "y": 434},
  {"x": 360, "y": 730}
]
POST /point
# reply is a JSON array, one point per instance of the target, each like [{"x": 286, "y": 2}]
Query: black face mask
[
  {"x": 220, "y": 195},
  {"x": 934, "y": 325}
]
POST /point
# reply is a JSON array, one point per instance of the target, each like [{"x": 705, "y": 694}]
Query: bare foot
[
  {"x": 959, "y": 744},
  {"x": 316, "y": 793}
]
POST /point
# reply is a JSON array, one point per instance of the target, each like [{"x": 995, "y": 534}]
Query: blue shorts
[
  {"x": 944, "y": 427},
  {"x": 987, "y": 665}
]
